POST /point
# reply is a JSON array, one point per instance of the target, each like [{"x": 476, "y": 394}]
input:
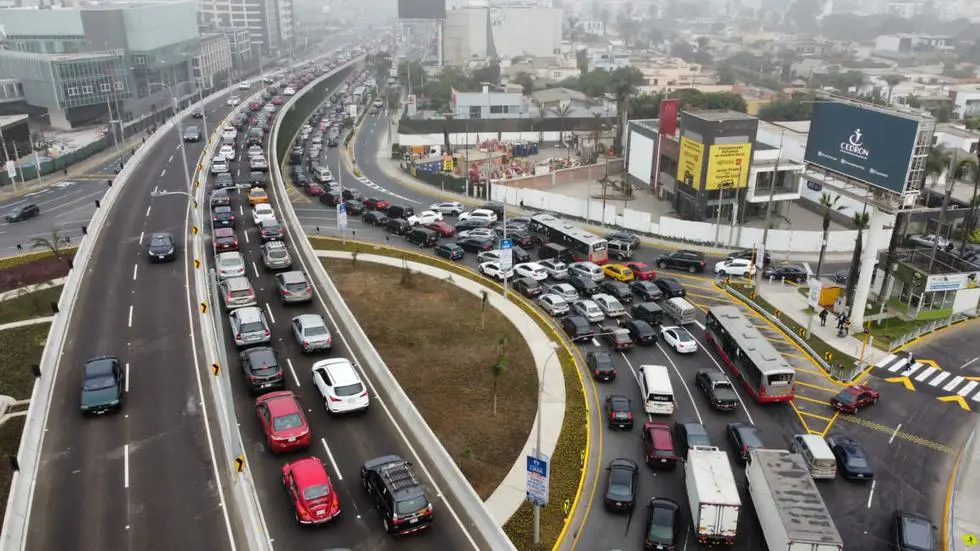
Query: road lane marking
[
  {"x": 141, "y": 238},
  {"x": 148, "y": 210},
  {"x": 135, "y": 268},
  {"x": 255, "y": 269},
  {"x": 939, "y": 378},
  {"x": 871, "y": 494},
  {"x": 969, "y": 362},
  {"x": 913, "y": 438},
  {"x": 340, "y": 475},
  {"x": 968, "y": 388},
  {"x": 163, "y": 172},
  {"x": 269, "y": 310},
  {"x": 687, "y": 388},
  {"x": 130, "y": 315},
  {"x": 815, "y": 401},
  {"x": 898, "y": 428},
  {"x": 126, "y": 466},
  {"x": 953, "y": 383},
  {"x": 241, "y": 211},
  {"x": 818, "y": 387},
  {"x": 289, "y": 362},
  {"x": 636, "y": 377},
  {"x": 155, "y": 189},
  {"x": 246, "y": 235}
]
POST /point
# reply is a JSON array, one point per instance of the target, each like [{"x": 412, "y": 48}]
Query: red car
[
  {"x": 442, "y": 228},
  {"x": 283, "y": 421},
  {"x": 658, "y": 445},
  {"x": 854, "y": 398},
  {"x": 641, "y": 270},
  {"x": 277, "y": 100},
  {"x": 372, "y": 203},
  {"x": 255, "y": 105},
  {"x": 309, "y": 488},
  {"x": 314, "y": 189},
  {"x": 225, "y": 240}
]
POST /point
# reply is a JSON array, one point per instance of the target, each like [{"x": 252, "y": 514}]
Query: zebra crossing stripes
[{"x": 928, "y": 377}]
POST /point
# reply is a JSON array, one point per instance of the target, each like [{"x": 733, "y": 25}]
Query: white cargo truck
[
  {"x": 712, "y": 494},
  {"x": 791, "y": 510}
]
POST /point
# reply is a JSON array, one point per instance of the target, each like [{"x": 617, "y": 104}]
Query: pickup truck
[{"x": 717, "y": 389}]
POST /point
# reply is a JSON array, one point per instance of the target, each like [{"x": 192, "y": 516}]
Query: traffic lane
[
  {"x": 65, "y": 208},
  {"x": 954, "y": 349},
  {"x": 350, "y": 440}
]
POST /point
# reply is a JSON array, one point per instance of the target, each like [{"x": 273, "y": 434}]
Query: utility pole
[
  {"x": 760, "y": 259},
  {"x": 968, "y": 227},
  {"x": 950, "y": 182}
]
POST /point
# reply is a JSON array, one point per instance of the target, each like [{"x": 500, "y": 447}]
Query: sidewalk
[
  {"x": 964, "y": 521},
  {"x": 21, "y": 291},
  {"x": 511, "y": 494},
  {"x": 25, "y": 323}
]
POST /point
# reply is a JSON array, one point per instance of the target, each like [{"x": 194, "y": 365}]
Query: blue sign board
[
  {"x": 537, "y": 479},
  {"x": 341, "y": 216},
  {"x": 506, "y": 244},
  {"x": 871, "y": 146}
]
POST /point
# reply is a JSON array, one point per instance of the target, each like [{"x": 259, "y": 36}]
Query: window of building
[
  {"x": 72, "y": 91},
  {"x": 118, "y": 85},
  {"x": 87, "y": 89},
  {"x": 105, "y": 86},
  {"x": 499, "y": 109},
  {"x": 139, "y": 59},
  {"x": 475, "y": 112}
]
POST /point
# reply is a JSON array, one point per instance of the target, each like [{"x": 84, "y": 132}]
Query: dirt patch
[
  {"x": 19, "y": 349},
  {"x": 29, "y": 305},
  {"x": 16, "y": 272},
  {"x": 429, "y": 333},
  {"x": 9, "y": 445}
]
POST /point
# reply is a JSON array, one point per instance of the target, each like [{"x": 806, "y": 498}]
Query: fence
[
  {"x": 929, "y": 327},
  {"x": 457, "y": 184}
]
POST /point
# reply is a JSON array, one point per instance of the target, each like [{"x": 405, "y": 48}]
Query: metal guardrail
[
  {"x": 456, "y": 490},
  {"x": 929, "y": 327}
]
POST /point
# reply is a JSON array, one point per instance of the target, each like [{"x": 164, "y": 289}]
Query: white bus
[{"x": 658, "y": 393}]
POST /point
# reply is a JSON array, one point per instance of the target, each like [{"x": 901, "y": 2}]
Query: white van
[
  {"x": 682, "y": 311},
  {"x": 658, "y": 393},
  {"x": 817, "y": 455}
]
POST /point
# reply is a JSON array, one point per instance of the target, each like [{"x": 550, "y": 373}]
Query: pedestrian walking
[
  {"x": 840, "y": 321},
  {"x": 522, "y": 204},
  {"x": 909, "y": 365},
  {"x": 823, "y": 317},
  {"x": 66, "y": 170}
]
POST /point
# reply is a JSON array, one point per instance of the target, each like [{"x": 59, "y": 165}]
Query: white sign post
[
  {"x": 506, "y": 261},
  {"x": 342, "y": 220}
]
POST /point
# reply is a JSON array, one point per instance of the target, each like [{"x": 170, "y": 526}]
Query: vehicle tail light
[
  {"x": 701, "y": 263},
  {"x": 267, "y": 333},
  {"x": 335, "y": 399},
  {"x": 306, "y": 343},
  {"x": 363, "y": 394},
  {"x": 236, "y": 243},
  {"x": 629, "y": 415}
]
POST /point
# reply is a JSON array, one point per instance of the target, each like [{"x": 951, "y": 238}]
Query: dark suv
[
  {"x": 397, "y": 493},
  {"x": 692, "y": 261},
  {"x": 262, "y": 369},
  {"x": 23, "y": 212}
]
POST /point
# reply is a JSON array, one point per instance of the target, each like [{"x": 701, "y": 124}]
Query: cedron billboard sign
[{"x": 871, "y": 146}]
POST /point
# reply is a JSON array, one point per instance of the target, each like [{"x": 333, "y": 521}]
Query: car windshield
[
  {"x": 314, "y": 330},
  {"x": 684, "y": 336},
  {"x": 621, "y": 484},
  {"x": 99, "y": 383},
  {"x": 286, "y": 422},
  {"x": 160, "y": 242},
  {"x": 661, "y": 526},
  {"x": 349, "y": 390},
  {"x": 918, "y": 533},
  {"x": 252, "y": 327},
  {"x": 409, "y": 506},
  {"x": 847, "y": 397},
  {"x": 317, "y": 491},
  {"x": 229, "y": 262},
  {"x": 301, "y": 286},
  {"x": 856, "y": 459}
]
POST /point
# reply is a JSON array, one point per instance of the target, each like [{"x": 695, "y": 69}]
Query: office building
[
  {"x": 212, "y": 66},
  {"x": 83, "y": 64},
  {"x": 240, "y": 48},
  {"x": 488, "y": 104},
  {"x": 269, "y": 22},
  {"x": 504, "y": 32}
]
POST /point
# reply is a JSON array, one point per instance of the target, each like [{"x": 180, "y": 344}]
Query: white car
[
  {"x": 229, "y": 133},
  {"x": 233, "y": 100},
  {"x": 258, "y": 163},
  {"x": 492, "y": 255},
  {"x": 452, "y": 208},
  {"x": 262, "y": 211},
  {"x": 227, "y": 151},
  {"x": 479, "y": 214},
  {"x": 425, "y": 217},
  {"x": 289, "y": 91},
  {"x": 244, "y": 85},
  {"x": 255, "y": 151},
  {"x": 564, "y": 290},
  {"x": 553, "y": 304},
  {"x": 230, "y": 264},
  {"x": 555, "y": 268},
  {"x": 340, "y": 386},
  {"x": 219, "y": 165},
  {"x": 679, "y": 339},
  {"x": 588, "y": 310},
  {"x": 532, "y": 270},
  {"x": 492, "y": 270},
  {"x": 609, "y": 305},
  {"x": 485, "y": 233},
  {"x": 733, "y": 266}
]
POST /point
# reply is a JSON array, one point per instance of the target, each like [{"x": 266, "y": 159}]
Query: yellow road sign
[
  {"x": 204, "y": 308},
  {"x": 195, "y": 230},
  {"x": 215, "y": 368},
  {"x": 955, "y": 398},
  {"x": 970, "y": 540},
  {"x": 828, "y": 355},
  {"x": 240, "y": 463},
  {"x": 197, "y": 263},
  {"x": 905, "y": 381},
  {"x": 197, "y": 184}
]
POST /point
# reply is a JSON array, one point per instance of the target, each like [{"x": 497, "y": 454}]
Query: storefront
[{"x": 926, "y": 297}]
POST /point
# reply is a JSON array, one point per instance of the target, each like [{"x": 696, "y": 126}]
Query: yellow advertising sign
[
  {"x": 728, "y": 166},
  {"x": 689, "y": 162}
]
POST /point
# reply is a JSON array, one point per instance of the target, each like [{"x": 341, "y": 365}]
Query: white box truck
[
  {"x": 791, "y": 510},
  {"x": 712, "y": 494}
]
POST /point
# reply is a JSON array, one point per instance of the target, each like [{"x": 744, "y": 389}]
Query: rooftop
[
  {"x": 560, "y": 94},
  {"x": 957, "y": 131},
  {"x": 718, "y": 115}
]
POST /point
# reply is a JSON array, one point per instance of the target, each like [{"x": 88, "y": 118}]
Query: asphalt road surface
[
  {"x": 143, "y": 478},
  {"x": 911, "y": 438},
  {"x": 344, "y": 443}
]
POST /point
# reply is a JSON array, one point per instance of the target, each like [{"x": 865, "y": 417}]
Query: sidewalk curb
[
  {"x": 26, "y": 323},
  {"x": 28, "y": 289}
]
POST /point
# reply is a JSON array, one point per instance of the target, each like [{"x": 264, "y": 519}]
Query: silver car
[
  {"x": 311, "y": 333},
  {"x": 249, "y": 327},
  {"x": 553, "y": 304},
  {"x": 237, "y": 292},
  {"x": 230, "y": 264},
  {"x": 275, "y": 256},
  {"x": 556, "y": 269},
  {"x": 293, "y": 286},
  {"x": 588, "y": 310},
  {"x": 564, "y": 290}
]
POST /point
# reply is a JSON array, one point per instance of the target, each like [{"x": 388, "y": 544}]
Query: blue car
[
  {"x": 451, "y": 251},
  {"x": 852, "y": 460}
]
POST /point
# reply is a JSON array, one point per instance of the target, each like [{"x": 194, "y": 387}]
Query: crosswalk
[{"x": 924, "y": 376}]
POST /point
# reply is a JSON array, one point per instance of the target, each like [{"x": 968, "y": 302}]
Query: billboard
[
  {"x": 421, "y": 9},
  {"x": 689, "y": 162},
  {"x": 728, "y": 165},
  {"x": 870, "y": 146}
]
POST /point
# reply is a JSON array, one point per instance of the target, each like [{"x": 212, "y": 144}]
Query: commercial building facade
[
  {"x": 212, "y": 67},
  {"x": 269, "y": 22}
]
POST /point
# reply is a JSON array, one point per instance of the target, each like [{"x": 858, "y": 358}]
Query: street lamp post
[
  {"x": 180, "y": 134},
  {"x": 537, "y": 438}
]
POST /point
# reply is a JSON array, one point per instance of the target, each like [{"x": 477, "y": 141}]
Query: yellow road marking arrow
[
  {"x": 905, "y": 381},
  {"x": 930, "y": 363},
  {"x": 955, "y": 398}
]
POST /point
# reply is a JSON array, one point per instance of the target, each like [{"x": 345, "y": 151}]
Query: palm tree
[
  {"x": 704, "y": 44},
  {"x": 595, "y": 133},
  {"x": 55, "y": 244},
  {"x": 829, "y": 203},
  {"x": 861, "y": 221},
  {"x": 539, "y": 121},
  {"x": 892, "y": 81},
  {"x": 562, "y": 112},
  {"x": 623, "y": 83}
]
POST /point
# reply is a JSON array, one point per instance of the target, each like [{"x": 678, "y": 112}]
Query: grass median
[
  {"x": 567, "y": 460},
  {"x": 30, "y": 304}
]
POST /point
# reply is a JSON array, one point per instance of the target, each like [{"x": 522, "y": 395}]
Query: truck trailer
[
  {"x": 791, "y": 510},
  {"x": 712, "y": 495}
]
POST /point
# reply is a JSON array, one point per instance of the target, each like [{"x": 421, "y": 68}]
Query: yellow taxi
[
  {"x": 257, "y": 195},
  {"x": 618, "y": 272}
]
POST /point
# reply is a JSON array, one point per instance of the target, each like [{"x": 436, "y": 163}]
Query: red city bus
[
  {"x": 764, "y": 372},
  {"x": 582, "y": 244}
]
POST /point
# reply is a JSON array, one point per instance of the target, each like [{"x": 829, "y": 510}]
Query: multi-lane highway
[
  {"x": 145, "y": 478},
  {"x": 911, "y": 438}
]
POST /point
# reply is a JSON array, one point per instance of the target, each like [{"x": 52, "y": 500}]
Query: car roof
[
  {"x": 341, "y": 370},
  {"x": 100, "y": 365},
  {"x": 281, "y": 403},
  {"x": 310, "y": 320},
  {"x": 309, "y": 471},
  {"x": 618, "y": 400},
  {"x": 662, "y": 433},
  {"x": 237, "y": 283},
  {"x": 293, "y": 276},
  {"x": 230, "y": 254},
  {"x": 224, "y": 232},
  {"x": 248, "y": 313}
]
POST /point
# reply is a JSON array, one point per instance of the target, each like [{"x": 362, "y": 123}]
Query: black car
[
  {"x": 528, "y": 287},
  {"x": 375, "y": 218},
  {"x": 577, "y": 328},
  {"x": 198, "y": 113},
  {"x": 688, "y": 434},
  {"x": 625, "y": 237},
  {"x": 852, "y": 460},
  {"x": 223, "y": 217},
  {"x": 585, "y": 286},
  {"x": 913, "y": 532},
  {"x": 23, "y": 212},
  {"x": 618, "y": 339},
  {"x": 330, "y": 198},
  {"x": 496, "y": 208},
  {"x": 601, "y": 366},
  {"x": 619, "y": 412},
  {"x": 641, "y": 332},
  {"x": 351, "y": 195},
  {"x": 400, "y": 211},
  {"x": 788, "y": 272},
  {"x": 663, "y": 525},
  {"x": 257, "y": 178},
  {"x": 621, "y": 485},
  {"x": 262, "y": 369},
  {"x": 398, "y": 495},
  {"x": 451, "y": 251},
  {"x": 475, "y": 244},
  {"x": 162, "y": 248},
  {"x": 519, "y": 255},
  {"x": 471, "y": 224},
  {"x": 521, "y": 238},
  {"x": 717, "y": 389},
  {"x": 670, "y": 287},
  {"x": 745, "y": 438},
  {"x": 398, "y": 226},
  {"x": 220, "y": 198},
  {"x": 749, "y": 254},
  {"x": 646, "y": 290},
  {"x": 617, "y": 289},
  {"x": 192, "y": 134},
  {"x": 354, "y": 207},
  {"x": 103, "y": 382},
  {"x": 691, "y": 261}
]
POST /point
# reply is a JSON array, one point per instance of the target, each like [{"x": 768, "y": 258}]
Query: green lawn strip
[
  {"x": 30, "y": 304},
  {"x": 26, "y": 258},
  {"x": 19, "y": 349},
  {"x": 566, "y": 462},
  {"x": 819, "y": 346}
]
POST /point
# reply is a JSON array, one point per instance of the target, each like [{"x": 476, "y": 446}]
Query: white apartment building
[
  {"x": 951, "y": 136},
  {"x": 269, "y": 22},
  {"x": 966, "y": 102},
  {"x": 214, "y": 61},
  {"x": 669, "y": 74}
]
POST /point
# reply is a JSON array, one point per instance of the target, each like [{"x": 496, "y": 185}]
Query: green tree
[
  {"x": 412, "y": 74},
  {"x": 489, "y": 73},
  {"x": 861, "y": 221},
  {"x": 526, "y": 82},
  {"x": 725, "y": 100},
  {"x": 562, "y": 112},
  {"x": 690, "y": 98},
  {"x": 623, "y": 83},
  {"x": 786, "y": 110},
  {"x": 829, "y": 204},
  {"x": 54, "y": 244},
  {"x": 645, "y": 106},
  {"x": 683, "y": 50},
  {"x": 582, "y": 60},
  {"x": 726, "y": 74},
  {"x": 892, "y": 81}
]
